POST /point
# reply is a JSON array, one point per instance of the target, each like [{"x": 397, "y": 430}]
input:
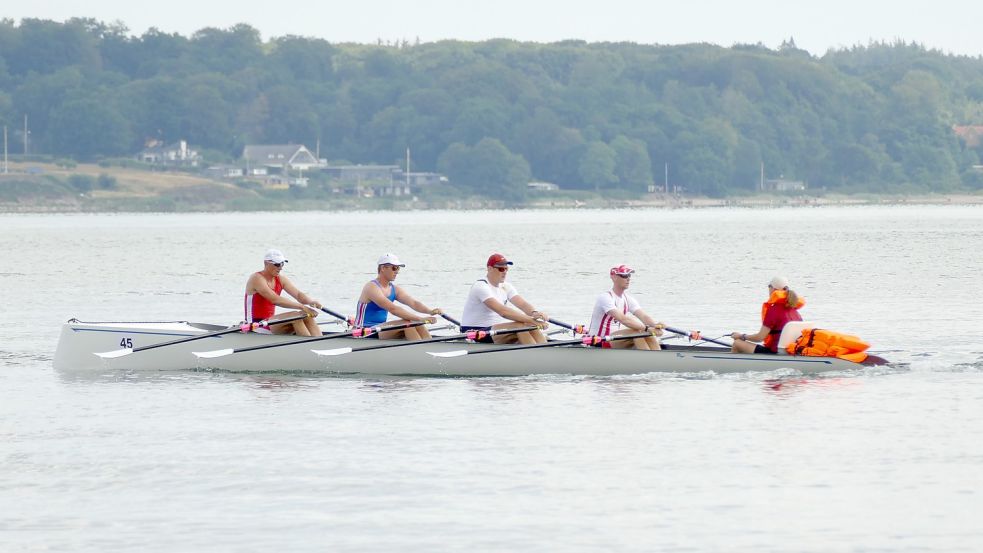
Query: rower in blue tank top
[
  {"x": 369, "y": 313},
  {"x": 379, "y": 298}
]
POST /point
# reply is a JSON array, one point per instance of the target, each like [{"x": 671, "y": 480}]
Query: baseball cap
[
  {"x": 622, "y": 270},
  {"x": 274, "y": 256},
  {"x": 390, "y": 259},
  {"x": 778, "y": 282},
  {"x": 497, "y": 260}
]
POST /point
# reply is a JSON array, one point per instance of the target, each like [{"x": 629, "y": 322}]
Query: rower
[
  {"x": 263, "y": 296},
  {"x": 781, "y": 308},
  {"x": 378, "y": 299},
  {"x": 616, "y": 308},
  {"x": 490, "y": 307}
]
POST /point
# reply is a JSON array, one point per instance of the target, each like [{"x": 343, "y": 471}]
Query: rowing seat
[{"x": 791, "y": 333}]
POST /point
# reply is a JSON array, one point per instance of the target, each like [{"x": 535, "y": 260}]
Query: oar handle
[
  {"x": 450, "y": 319},
  {"x": 337, "y": 315},
  {"x": 689, "y": 335},
  {"x": 579, "y": 329}
]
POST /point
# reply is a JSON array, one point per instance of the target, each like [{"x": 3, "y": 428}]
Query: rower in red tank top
[{"x": 262, "y": 296}]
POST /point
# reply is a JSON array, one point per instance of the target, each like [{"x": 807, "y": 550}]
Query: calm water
[{"x": 882, "y": 460}]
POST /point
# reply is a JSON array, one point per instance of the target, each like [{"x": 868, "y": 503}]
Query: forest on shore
[{"x": 497, "y": 114}]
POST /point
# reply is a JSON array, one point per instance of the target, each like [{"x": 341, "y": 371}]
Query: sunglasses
[
  {"x": 502, "y": 269},
  {"x": 277, "y": 265},
  {"x": 624, "y": 276},
  {"x": 394, "y": 267}
]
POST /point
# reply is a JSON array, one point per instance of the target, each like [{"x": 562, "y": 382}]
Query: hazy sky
[{"x": 816, "y": 25}]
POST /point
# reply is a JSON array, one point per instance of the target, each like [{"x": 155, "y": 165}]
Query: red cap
[
  {"x": 622, "y": 270},
  {"x": 497, "y": 260}
]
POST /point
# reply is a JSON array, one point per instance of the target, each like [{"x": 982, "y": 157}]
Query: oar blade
[
  {"x": 448, "y": 354},
  {"x": 114, "y": 354},
  {"x": 338, "y": 351},
  {"x": 213, "y": 354}
]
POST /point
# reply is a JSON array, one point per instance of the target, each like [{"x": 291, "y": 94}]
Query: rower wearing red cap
[
  {"x": 494, "y": 304},
  {"x": 616, "y": 308},
  {"x": 378, "y": 299}
]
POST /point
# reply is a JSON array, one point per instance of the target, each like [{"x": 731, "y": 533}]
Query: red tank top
[{"x": 259, "y": 308}]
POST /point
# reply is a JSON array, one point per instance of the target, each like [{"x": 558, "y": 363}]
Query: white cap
[
  {"x": 390, "y": 259},
  {"x": 274, "y": 256},
  {"x": 778, "y": 282}
]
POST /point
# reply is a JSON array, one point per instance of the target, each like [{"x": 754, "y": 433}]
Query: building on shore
[{"x": 178, "y": 154}]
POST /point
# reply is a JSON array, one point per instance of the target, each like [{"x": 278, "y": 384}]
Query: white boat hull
[{"x": 80, "y": 341}]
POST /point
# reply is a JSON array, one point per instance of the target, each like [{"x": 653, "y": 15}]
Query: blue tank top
[{"x": 370, "y": 314}]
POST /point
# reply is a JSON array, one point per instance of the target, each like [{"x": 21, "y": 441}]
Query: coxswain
[
  {"x": 494, "y": 304},
  {"x": 378, "y": 299},
  {"x": 781, "y": 308},
  {"x": 263, "y": 297},
  {"x": 616, "y": 308}
]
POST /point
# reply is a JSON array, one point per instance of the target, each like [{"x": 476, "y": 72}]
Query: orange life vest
[
  {"x": 779, "y": 296},
  {"x": 829, "y": 343}
]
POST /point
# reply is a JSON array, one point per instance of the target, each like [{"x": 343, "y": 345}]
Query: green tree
[
  {"x": 597, "y": 167},
  {"x": 633, "y": 165},
  {"x": 488, "y": 168},
  {"x": 89, "y": 128}
]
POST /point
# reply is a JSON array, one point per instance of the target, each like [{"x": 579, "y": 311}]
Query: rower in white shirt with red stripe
[{"x": 616, "y": 308}]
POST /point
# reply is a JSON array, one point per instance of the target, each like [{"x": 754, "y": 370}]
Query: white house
[{"x": 279, "y": 157}]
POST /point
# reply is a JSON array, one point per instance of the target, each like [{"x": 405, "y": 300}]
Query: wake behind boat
[{"x": 80, "y": 342}]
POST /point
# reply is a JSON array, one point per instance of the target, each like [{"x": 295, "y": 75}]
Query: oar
[
  {"x": 690, "y": 336},
  {"x": 579, "y": 329},
  {"x": 585, "y": 341},
  {"x": 450, "y": 319},
  {"x": 470, "y": 335},
  {"x": 244, "y": 327},
  {"x": 358, "y": 332},
  {"x": 339, "y": 316}
]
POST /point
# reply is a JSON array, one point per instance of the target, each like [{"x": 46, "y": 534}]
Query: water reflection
[{"x": 787, "y": 386}]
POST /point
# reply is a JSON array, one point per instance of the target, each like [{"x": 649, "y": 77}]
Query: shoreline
[
  {"x": 46, "y": 188},
  {"x": 167, "y": 205}
]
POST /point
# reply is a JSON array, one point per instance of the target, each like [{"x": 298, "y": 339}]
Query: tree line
[{"x": 494, "y": 115}]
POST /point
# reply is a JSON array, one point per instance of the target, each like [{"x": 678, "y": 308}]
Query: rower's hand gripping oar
[
  {"x": 471, "y": 336},
  {"x": 244, "y": 327},
  {"x": 579, "y": 329},
  {"x": 585, "y": 341},
  {"x": 358, "y": 333}
]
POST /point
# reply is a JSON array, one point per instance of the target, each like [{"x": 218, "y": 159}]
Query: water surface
[{"x": 885, "y": 459}]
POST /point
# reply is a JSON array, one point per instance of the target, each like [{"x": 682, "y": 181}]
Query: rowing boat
[{"x": 80, "y": 342}]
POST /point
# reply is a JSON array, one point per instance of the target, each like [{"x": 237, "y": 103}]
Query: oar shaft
[
  {"x": 241, "y": 328},
  {"x": 335, "y": 314},
  {"x": 450, "y": 319},
  {"x": 559, "y": 343},
  {"x": 705, "y": 339},
  {"x": 371, "y": 330}
]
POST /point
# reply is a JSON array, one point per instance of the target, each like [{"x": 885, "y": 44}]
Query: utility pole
[
  {"x": 25, "y": 137},
  {"x": 667, "y": 177},
  {"x": 407, "y": 169},
  {"x": 5, "y": 149},
  {"x": 761, "y": 184}
]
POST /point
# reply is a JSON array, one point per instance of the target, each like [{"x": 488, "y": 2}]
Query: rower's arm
[
  {"x": 508, "y": 312},
  {"x": 648, "y": 321},
  {"x": 258, "y": 283},
  {"x": 302, "y": 298},
  {"x": 374, "y": 293},
  {"x": 415, "y": 304},
  {"x": 528, "y": 309},
  {"x": 626, "y": 320},
  {"x": 758, "y": 336}
]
